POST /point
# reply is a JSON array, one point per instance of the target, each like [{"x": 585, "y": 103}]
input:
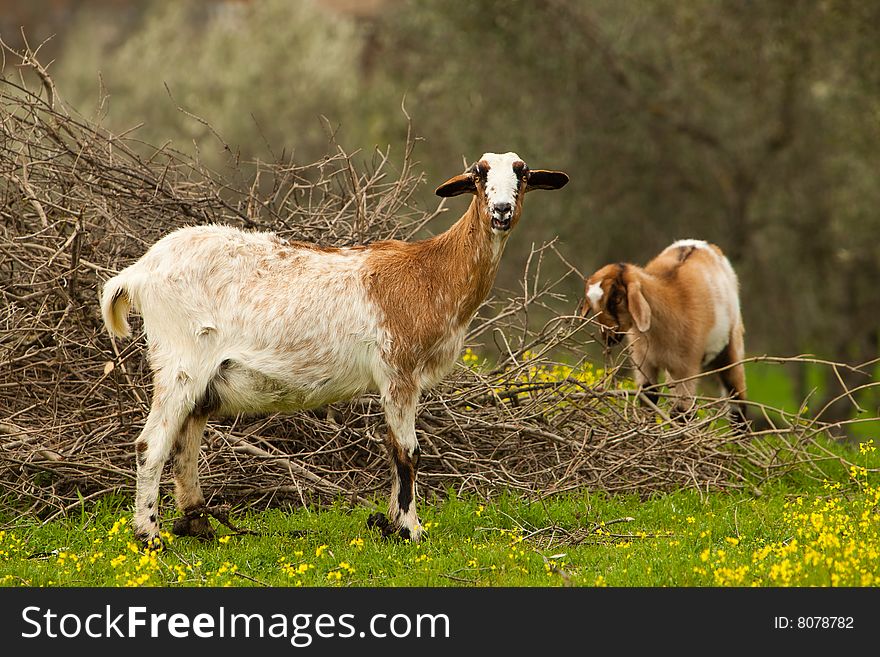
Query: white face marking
[
  {"x": 501, "y": 183},
  {"x": 594, "y": 294}
]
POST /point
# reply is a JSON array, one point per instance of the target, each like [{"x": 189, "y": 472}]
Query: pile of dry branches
[{"x": 79, "y": 203}]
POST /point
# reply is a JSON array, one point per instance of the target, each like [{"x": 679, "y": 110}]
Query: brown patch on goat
[
  {"x": 184, "y": 462},
  {"x": 734, "y": 384},
  {"x": 140, "y": 448},
  {"x": 426, "y": 288}
]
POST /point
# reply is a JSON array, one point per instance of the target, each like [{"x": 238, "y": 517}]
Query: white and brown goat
[
  {"x": 681, "y": 314},
  {"x": 246, "y": 322}
]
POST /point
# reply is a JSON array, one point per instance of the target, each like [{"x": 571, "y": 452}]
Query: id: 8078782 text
[{"x": 813, "y": 623}]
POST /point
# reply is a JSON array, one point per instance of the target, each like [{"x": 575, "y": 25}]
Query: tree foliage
[{"x": 755, "y": 125}]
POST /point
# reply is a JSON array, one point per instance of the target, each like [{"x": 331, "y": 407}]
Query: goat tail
[{"x": 115, "y": 304}]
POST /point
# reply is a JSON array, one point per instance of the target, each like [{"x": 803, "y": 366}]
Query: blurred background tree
[{"x": 752, "y": 124}]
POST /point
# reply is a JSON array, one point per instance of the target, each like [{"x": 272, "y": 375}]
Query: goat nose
[{"x": 502, "y": 208}]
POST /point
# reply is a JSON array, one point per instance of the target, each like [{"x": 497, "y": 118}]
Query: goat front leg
[
  {"x": 646, "y": 377},
  {"x": 403, "y": 454},
  {"x": 685, "y": 408}
]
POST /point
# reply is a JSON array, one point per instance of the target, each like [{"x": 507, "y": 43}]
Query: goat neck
[{"x": 472, "y": 252}]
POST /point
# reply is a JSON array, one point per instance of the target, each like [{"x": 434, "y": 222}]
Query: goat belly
[
  {"x": 716, "y": 341},
  {"x": 722, "y": 290},
  {"x": 441, "y": 359},
  {"x": 237, "y": 388}
]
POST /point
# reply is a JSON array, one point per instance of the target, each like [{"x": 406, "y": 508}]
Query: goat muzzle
[
  {"x": 611, "y": 336},
  {"x": 502, "y": 214},
  {"x": 501, "y": 224}
]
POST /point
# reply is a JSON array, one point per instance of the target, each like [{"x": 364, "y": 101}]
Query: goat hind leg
[
  {"x": 187, "y": 492},
  {"x": 152, "y": 448},
  {"x": 733, "y": 382}
]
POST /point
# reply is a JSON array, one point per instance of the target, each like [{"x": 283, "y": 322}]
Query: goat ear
[
  {"x": 638, "y": 307},
  {"x": 543, "y": 179},
  {"x": 461, "y": 184}
]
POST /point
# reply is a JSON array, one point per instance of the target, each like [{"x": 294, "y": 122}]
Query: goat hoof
[
  {"x": 193, "y": 525},
  {"x": 150, "y": 543},
  {"x": 380, "y": 521},
  {"x": 408, "y": 535},
  {"x": 740, "y": 425}
]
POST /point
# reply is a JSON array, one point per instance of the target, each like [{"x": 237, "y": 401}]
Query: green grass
[
  {"x": 817, "y": 525},
  {"x": 684, "y": 538},
  {"x": 771, "y": 384}
]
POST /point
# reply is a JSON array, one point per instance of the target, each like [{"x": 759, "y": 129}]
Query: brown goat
[{"x": 680, "y": 313}]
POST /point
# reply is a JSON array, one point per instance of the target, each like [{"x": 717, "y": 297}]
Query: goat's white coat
[{"x": 204, "y": 288}]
